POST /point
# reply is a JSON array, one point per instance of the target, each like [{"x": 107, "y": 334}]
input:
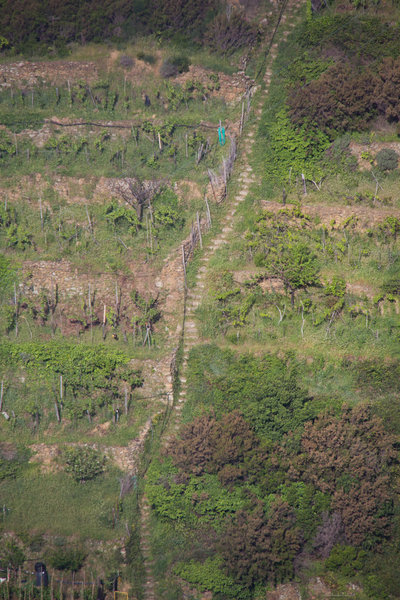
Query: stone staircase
[{"x": 194, "y": 296}]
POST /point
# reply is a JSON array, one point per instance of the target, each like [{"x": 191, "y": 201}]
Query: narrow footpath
[{"x": 195, "y": 295}]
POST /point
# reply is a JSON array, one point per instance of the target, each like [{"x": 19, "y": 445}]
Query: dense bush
[
  {"x": 387, "y": 159},
  {"x": 174, "y": 65},
  {"x": 361, "y": 38},
  {"x": 67, "y": 559},
  {"x": 228, "y": 32},
  {"x": 265, "y": 390},
  {"x": 83, "y": 463},
  {"x": 349, "y": 457},
  {"x": 258, "y": 547},
  {"x": 340, "y": 100},
  {"x": 34, "y": 25},
  {"x": 291, "y": 148}
]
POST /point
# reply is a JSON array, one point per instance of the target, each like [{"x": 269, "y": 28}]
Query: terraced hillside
[{"x": 200, "y": 359}]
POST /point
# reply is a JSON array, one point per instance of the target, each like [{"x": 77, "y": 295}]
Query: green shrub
[
  {"x": 12, "y": 555},
  {"x": 67, "y": 559},
  {"x": 174, "y": 65},
  {"x": 387, "y": 159},
  {"x": 345, "y": 559},
  {"x": 83, "y": 463},
  {"x": 391, "y": 286},
  {"x": 148, "y": 58},
  {"x": 210, "y": 576}
]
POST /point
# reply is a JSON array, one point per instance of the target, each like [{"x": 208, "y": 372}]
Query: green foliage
[
  {"x": 391, "y": 286},
  {"x": 12, "y": 463},
  {"x": 387, "y": 159},
  {"x": 7, "y": 276},
  {"x": 308, "y": 504},
  {"x": 83, "y": 463},
  {"x": 120, "y": 216},
  {"x": 340, "y": 100},
  {"x": 336, "y": 287},
  {"x": 188, "y": 500},
  {"x": 346, "y": 559},
  {"x": 148, "y": 58},
  {"x": 12, "y": 555},
  {"x": 174, "y": 65},
  {"x": 7, "y": 148},
  {"x": 84, "y": 367},
  {"x": 359, "y": 37},
  {"x": 305, "y": 68},
  {"x": 390, "y": 227},
  {"x": 67, "y": 559},
  {"x": 18, "y": 237},
  {"x": 209, "y": 575},
  {"x": 285, "y": 256},
  {"x": 293, "y": 149},
  {"x": 378, "y": 376},
  {"x": 167, "y": 213},
  {"x": 265, "y": 390},
  {"x": 257, "y": 548}
]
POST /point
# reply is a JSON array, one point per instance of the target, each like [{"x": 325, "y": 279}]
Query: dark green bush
[
  {"x": 391, "y": 286},
  {"x": 12, "y": 555},
  {"x": 83, "y": 463},
  {"x": 67, "y": 559},
  {"x": 346, "y": 559},
  {"x": 174, "y": 65},
  {"x": 148, "y": 58},
  {"x": 387, "y": 159}
]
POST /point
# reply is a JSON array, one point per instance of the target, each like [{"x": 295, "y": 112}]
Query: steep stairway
[{"x": 194, "y": 295}]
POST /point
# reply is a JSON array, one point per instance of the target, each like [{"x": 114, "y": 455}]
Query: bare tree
[{"x": 136, "y": 193}]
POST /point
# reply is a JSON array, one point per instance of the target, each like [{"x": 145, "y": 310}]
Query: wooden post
[
  {"x": 104, "y": 322},
  {"x": 199, "y": 229},
  {"x": 212, "y": 185},
  {"x": 89, "y": 221},
  {"x": 304, "y": 184},
  {"x": 159, "y": 141},
  {"x": 225, "y": 176},
  {"x": 242, "y": 118},
  {"x": 126, "y": 400},
  {"x": 16, "y": 310},
  {"x": 51, "y": 586},
  {"x": 208, "y": 211},
  {"x": 1, "y": 395},
  {"x": 184, "y": 265},
  {"x": 41, "y": 213},
  {"x": 91, "y": 315},
  {"x": 186, "y": 145}
]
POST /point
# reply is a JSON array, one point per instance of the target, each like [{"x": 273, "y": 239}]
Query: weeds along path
[{"x": 190, "y": 335}]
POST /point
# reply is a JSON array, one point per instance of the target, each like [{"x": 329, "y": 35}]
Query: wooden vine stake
[
  {"x": 242, "y": 119},
  {"x": 304, "y": 184},
  {"x": 1, "y": 394},
  {"x": 41, "y": 213},
  {"x": 199, "y": 229},
  {"x": 208, "y": 211},
  {"x": 126, "y": 400},
  {"x": 16, "y": 310},
  {"x": 184, "y": 265}
]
